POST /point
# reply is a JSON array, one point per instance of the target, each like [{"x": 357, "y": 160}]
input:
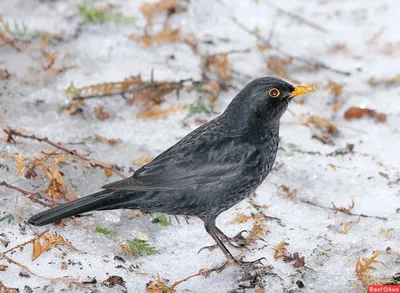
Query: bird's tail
[{"x": 78, "y": 206}]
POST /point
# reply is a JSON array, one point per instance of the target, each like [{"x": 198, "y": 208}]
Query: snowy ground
[{"x": 360, "y": 37}]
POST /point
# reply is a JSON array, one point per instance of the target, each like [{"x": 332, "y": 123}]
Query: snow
[{"x": 103, "y": 53}]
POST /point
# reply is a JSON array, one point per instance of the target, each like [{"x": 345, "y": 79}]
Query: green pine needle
[
  {"x": 140, "y": 247},
  {"x": 105, "y": 231}
]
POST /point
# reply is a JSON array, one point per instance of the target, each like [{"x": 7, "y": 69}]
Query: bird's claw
[
  {"x": 240, "y": 263},
  {"x": 210, "y": 248},
  {"x": 247, "y": 264}
]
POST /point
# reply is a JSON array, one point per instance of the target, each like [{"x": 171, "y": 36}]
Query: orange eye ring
[{"x": 274, "y": 93}]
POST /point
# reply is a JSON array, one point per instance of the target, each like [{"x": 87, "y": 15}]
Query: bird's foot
[
  {"x": 248, "y": 264},
  {"x": 236, "y": 262},
  {"x": 238, "y": 241}
]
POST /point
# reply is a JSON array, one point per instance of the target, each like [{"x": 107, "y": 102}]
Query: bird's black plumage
[{"x": 208, "y": 171}]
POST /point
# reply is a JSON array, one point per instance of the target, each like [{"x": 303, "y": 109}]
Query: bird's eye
[{"x": 274, "y": 93}]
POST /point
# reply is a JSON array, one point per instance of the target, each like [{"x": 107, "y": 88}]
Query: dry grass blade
[{"x": 44, "y": 242}]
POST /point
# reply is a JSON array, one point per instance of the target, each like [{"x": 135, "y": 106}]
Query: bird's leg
[
  {"x": 210, "y": 227},
  {"x": 238, "y": 241},
  {"x": 238, "y": 238}
]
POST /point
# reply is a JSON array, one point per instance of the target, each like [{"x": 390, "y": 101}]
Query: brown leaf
[
  {"x": 101, "y": 114},
  {"x": 108, "y": 172},
  {"x": 159, "y": 286},
  {"x": 103, "y": 89},
  {"x": 394, "y": 80},
  {"x": 64, "y": 265},
  {"x": 4, "y": 289},
  {"x": 358, "y": 113},
  {"x": 150, "y": 9},
  {"x": 220, "y": 64},
  {"x": 3, "y": 268},
  {"x": 20, "y": 163},
  {"x": 289, "y": 193},
  {"x": 143, "y": 160},
  {"x": 56, "y": 188},
  {"x": 278, "y": 65},
  {"x": 166, "y": 35},
  {"x": 157, "y": 113},
  {"x": 320, "y": 122},
  {"x": 335, "y": 88},
  {"x": 110, "y": 141},
  {"x": 385, "y": 175},
  {"x": 45, "y": 241},
  {"x": 280, "y": 249},
  {"x": 125, "y": 248},
  {"x": 344, "y": 210}
]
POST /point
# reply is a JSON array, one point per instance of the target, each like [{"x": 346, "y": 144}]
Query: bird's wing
[{"x": 214, "y": 161}]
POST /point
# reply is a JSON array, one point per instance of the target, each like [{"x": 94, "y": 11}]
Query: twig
[
  {"x": 25, "y": 243},
  {"x": 335, "y": 210},
  {"x": 203, "y": 272},
  {"x": 36, "y": 197},
  {"x": 316, "y": 64},
  {"x": 299, "y": 18},
  {"x": 11, "y": 132},
  {"x": 177, "y": 84}
]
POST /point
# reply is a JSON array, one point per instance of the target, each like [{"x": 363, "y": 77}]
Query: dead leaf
[
  {"x": 101, "y": 114},
  {"x": 4, "y": 289},
  {"x": 358, "y": 113},
  {"x": 279, "y": 65},
  {"x": 385, "y": 175},
  {"x": 364, "y": 267},
  {"x": 143, "y": 160},
  {"x": 150, "y": 9},
  {"x": 56, "y": 188},
  {"x": 220, "y": 64},
  {"x": 108, "y": 172},
  {"x": 156, "y": 112},
  {"x": 280, "y": 249},
  {"x": 335, "y": 88},
  {"x": 125, "y": 248},
  {"x": 3, "y": 268},
  {"x": 45, "y": 241},
  {"x": 320, "y": 122},
  {"x": 344, "y": 210},
  {"x": 346, "y": 226},
  {"x": 20, "y": 163},
  {"x": 159, "y": 286},
  {"x": 64, "y": 265},
  {"x": 289, "y": 193},
  {"x": 110, "y": 141}
]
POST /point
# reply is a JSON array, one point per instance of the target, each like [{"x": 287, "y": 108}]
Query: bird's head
[{"x": 266, "y": 98}]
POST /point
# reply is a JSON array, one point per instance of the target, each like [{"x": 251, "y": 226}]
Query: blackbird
[{"x": 211, "y": 169}]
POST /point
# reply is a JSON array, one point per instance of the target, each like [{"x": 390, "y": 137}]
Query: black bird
[{"x": 208, "y": 171}]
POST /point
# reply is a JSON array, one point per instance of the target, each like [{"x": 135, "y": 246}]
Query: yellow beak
[{"x": 303, "y": 89}]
